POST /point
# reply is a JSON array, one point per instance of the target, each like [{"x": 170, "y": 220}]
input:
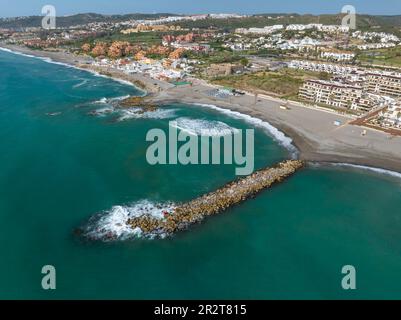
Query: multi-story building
[
  {"x": 338, "y": 55},
  {"x": 335, "y": 94},
  {"x": 384, "y": 83},
  {"x": 337, "y": 69},
  {"x": 318, "y": 26},
  {"x": 391, "y": 117},
  {"x": 265, "y": 30}
]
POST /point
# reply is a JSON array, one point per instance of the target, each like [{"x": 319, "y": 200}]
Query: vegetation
[
  {"x": 262, "y": 20},
  {"x": 219, "y": 56},
  {"x": 149, "y": 38},
  {"x": 284, "y": 83},
  {"x": 77, "y": 19},
  {"x": 385, "y": 57}
]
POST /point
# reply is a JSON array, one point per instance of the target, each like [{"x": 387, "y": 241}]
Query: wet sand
[{"x": 312, "y": 130}]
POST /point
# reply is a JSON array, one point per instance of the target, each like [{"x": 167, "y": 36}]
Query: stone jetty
[{"x": 215, "y": 202}]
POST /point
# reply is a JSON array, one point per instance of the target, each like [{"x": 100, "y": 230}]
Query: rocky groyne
[
  {"x": 138, "y": 102},
  {"x": 214, "y": 202}
]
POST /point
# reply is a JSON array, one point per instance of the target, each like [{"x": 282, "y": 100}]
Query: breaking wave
[
  {"x": 111, "y": 106},
  {"x": 82, "y": 83},
  {"x": 279, "y": 136},
  {"x": 103, "y": 100},
  {"x": 45, "y": 59},
  {"x": 137, "y": 113},
  {"x": 102, "y": 111},
  {"x": 133, "y": 113},
  {"x": 112, "y": 225},
  {"x": 204, "y": 127},
  {"x": 111, "y": 100},
  {"x": 372, "y": 169}
]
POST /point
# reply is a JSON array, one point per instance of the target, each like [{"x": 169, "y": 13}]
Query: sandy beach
[{"x": 312, "y": 130}]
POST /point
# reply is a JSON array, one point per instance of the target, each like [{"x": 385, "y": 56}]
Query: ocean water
[{"x": 67, "y": 155}]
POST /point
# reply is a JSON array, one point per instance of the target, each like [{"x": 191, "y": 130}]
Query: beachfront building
[
  {"x": 391, "y": 117},
  {"x": 384, "y": 83},
  {"x": 335, "y": 94},
  {"x": 168, "y": 70}
]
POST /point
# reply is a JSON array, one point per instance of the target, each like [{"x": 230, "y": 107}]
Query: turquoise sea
[{"x": 67, "y": 155}]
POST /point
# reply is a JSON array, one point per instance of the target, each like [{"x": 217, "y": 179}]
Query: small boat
[{"x": 53, "y": 114}]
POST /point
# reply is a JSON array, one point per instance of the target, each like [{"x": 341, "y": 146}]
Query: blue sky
[{"x": 10, "y": 8}]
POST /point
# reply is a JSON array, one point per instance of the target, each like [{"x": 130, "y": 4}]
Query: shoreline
[{"x": 311, "y": 130}]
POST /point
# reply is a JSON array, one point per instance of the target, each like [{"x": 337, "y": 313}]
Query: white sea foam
[
  {"x": 110, "y": 100},
  {"x": 124, "y": 114},
  {"x": 204, "y": 127},
  {"x": 82, "y": 83},
  {"x": 45, "y": 59},
  {"x": 97, "y": 74},
  {"x": 279, "y": 136},
  {"x": 372, "y": 169},
  {"x": 103, "y": 100},
  {"x": 17, "y": 52},
  {"x": 103, "y": 111},
  {"x": 136, "y": 113},
  {"x": 112, "y": 224}
]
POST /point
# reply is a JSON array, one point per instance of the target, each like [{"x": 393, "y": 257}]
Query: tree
[
  {"x": 86, "y": 47},
  {"x": 324, "y": 76},
  {"x": 244, "y": 62},
  {"x": 100, "y": 49}
]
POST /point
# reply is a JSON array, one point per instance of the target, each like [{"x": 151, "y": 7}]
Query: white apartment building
[
  {"x": 337, "y": 56},
  {"x": 336, "y": 95},
  {"x": 319, "y": 27},
  {"x": 392, "y": 116},
  {"x": 384, "y": 83},
  {"x": 265, "y": 30},
  {"x": 337, "y": 69}
]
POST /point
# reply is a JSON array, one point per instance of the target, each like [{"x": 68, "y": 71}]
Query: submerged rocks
[
  {"x": 138, "y": 102},
  {"x": 215, "y": 202},
  {"x": 131, "y": 102}
]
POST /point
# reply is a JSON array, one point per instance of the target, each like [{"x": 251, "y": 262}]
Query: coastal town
[{"x": 316, "y": 64}]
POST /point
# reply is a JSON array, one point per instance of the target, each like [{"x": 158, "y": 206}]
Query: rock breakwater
[{"x": 215, "y": 202}]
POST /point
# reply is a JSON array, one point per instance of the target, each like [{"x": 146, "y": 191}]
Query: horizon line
[{"x": 195, "y": 14}]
